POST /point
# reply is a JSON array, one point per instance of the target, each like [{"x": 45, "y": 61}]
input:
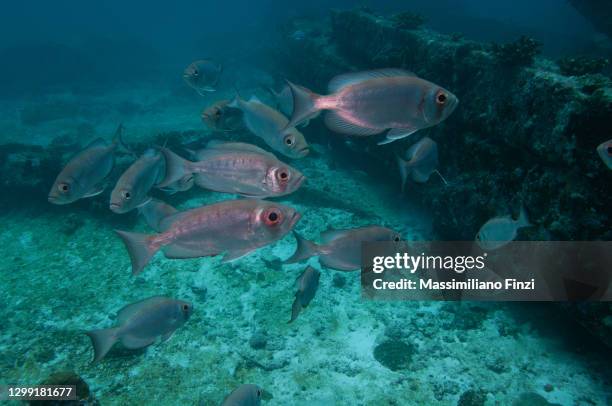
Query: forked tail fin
[
  {"x": 304, "y": 104},
  {"x": 176, "y": 168},
  {"x": 102, "y": 341},
  {"x": 305, "y": 249},
  {"x": 140, "y": 249}
]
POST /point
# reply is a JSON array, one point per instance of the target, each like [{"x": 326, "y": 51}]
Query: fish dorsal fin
[
  {"x": 235, "y": 146},
  {"x": 128, "y": 311},
  {"x": 98, "y": 142},
  {"x": 255, "y": 99},
  {"x": 331, "y": 234},
  {"x": 352, "y": 78}
]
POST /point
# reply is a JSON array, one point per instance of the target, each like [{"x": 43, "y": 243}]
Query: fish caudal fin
[
  {"x": 296, "y": 308},
  {"x": 305, "y": 249},
  {"x": 176, "y": 168},
  {"x": 403, "y": 169},
  {"x": 140, "y": 249},
  {"x": 102, "y": 341},
  {"x": 304, "y": 104},
  {"x": 523, "y": 220}
]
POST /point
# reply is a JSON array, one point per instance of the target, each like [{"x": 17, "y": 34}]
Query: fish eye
[
  {"x": 441, "y": 98},
  {"x": 289, "y": 140},
  {"x": 126, "y": 195},
  {"x": 185, "y": 307},
  {"x": 272, "y": 217},
  {"x": 396, "y": 239},
  {"x": 63, "y": 187},
  {"x": 283, "y": 176}
]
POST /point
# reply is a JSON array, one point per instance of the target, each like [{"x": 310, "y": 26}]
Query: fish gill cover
[{"x": 251, "y": 150}]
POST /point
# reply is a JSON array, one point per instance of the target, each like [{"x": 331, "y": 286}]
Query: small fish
[
  {"x": 270, "y": 125},
  {"x": 154, "y": 212},
  {"x": 499, "y": 231},
  {"x": 132, "y": 188},
  {"x": 307, "y": 284},
  {"x": 368, "y": 103},
  {"x": 244, "y": 395},
  {"x": 421, "y": 161},
  {"x": 84, "y": 174},
  {"x": 203, "y": 75},
  {"x": 140, "y": 324},
  {"x": 220, "y": 117},
  {"x": 233, "y": 227},
  {"x": 235, "y": 167},
  {"x": 605, "y": 153},
  {"x": 341, "y": 249}
]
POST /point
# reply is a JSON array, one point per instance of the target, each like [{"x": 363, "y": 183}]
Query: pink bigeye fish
[
  {"x": 234, "y": 167},
  {"x": 307, "y": 284},
  {"x": 244, "y": 395},
  {"x": 499, "y": 231},
  {"x": 154, "y": 212},
  {"x": 421, "y": 160},
  {"x": 140, "y": 324},
  {"x": 368, "y": 103},
  {"x": 271, "y": 126},
  {"x": 284, "y": 102},
  {"x": 605, "y": 153},
  {"x": 133, "y": 187},
  {"x": 203, "y": 75},
  {"x": 341, "y": 249},
  {"x": 234, "y": 227},
  {"x": 84, "y": 174}
]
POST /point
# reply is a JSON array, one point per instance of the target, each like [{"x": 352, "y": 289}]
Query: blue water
[{"x": 71, "y": 71}]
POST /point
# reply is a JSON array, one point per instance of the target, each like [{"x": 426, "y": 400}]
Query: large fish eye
[
  {"x": 185, "y": 307},
  {"x": 126, "y": 195},
  {"x": 396, "y": 239},
  {"x": 63, "y": 187},
  {"x": 283, "y": 176},
  {"x": 289, "y": 140},
  {"x": 441, "y": 98},
  {"x": 272, "y": 217}
]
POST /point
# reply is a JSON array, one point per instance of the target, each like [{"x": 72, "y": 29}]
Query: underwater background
[{"x": 534, "y": 83}]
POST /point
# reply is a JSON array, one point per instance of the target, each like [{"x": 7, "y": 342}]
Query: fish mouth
[{"x": 115, "y": 207}]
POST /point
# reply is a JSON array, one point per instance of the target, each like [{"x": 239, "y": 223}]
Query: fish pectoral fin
[
  {"x": 304, "y": 124},
  {"x": 337, "y": 123},
  {"x": 95, "y": 191},
  {"x": 397, "y": 133},
  {"x": 146, "y": 201},
  {"x": 167, "y": 336},
  {"x": 232, "y": 255}
]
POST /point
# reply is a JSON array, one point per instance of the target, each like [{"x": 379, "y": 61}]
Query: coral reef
[
  {"x": 408, "y": 20},
  {"x": 582, "y": 65},
  {"x": 518, "y": 53}
]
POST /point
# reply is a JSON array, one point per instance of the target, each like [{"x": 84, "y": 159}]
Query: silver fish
[
  {"x": 84, "y": 173},
  {"x": 499, "y": 231},
  {"x": 271, "y": 126},
  {"x": 181, "y": 185},
  {"x": 605, "y": 153},
  {"x": 233, "y": 227},
  {"x": 203, "y": 75},
  {"x": 341, "y": 249},
  {"x": 244, "y": 395},
  {"x": 220, "y": 117},
  {"x": 420, "y": 162},
  {"x": 368, "y": 103},
  {"x": 140, "y": 324},
  {"x": 235, "y": 167},
  {"x": 307, "y": 284},
  {"x": 132, "y": 188}
]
